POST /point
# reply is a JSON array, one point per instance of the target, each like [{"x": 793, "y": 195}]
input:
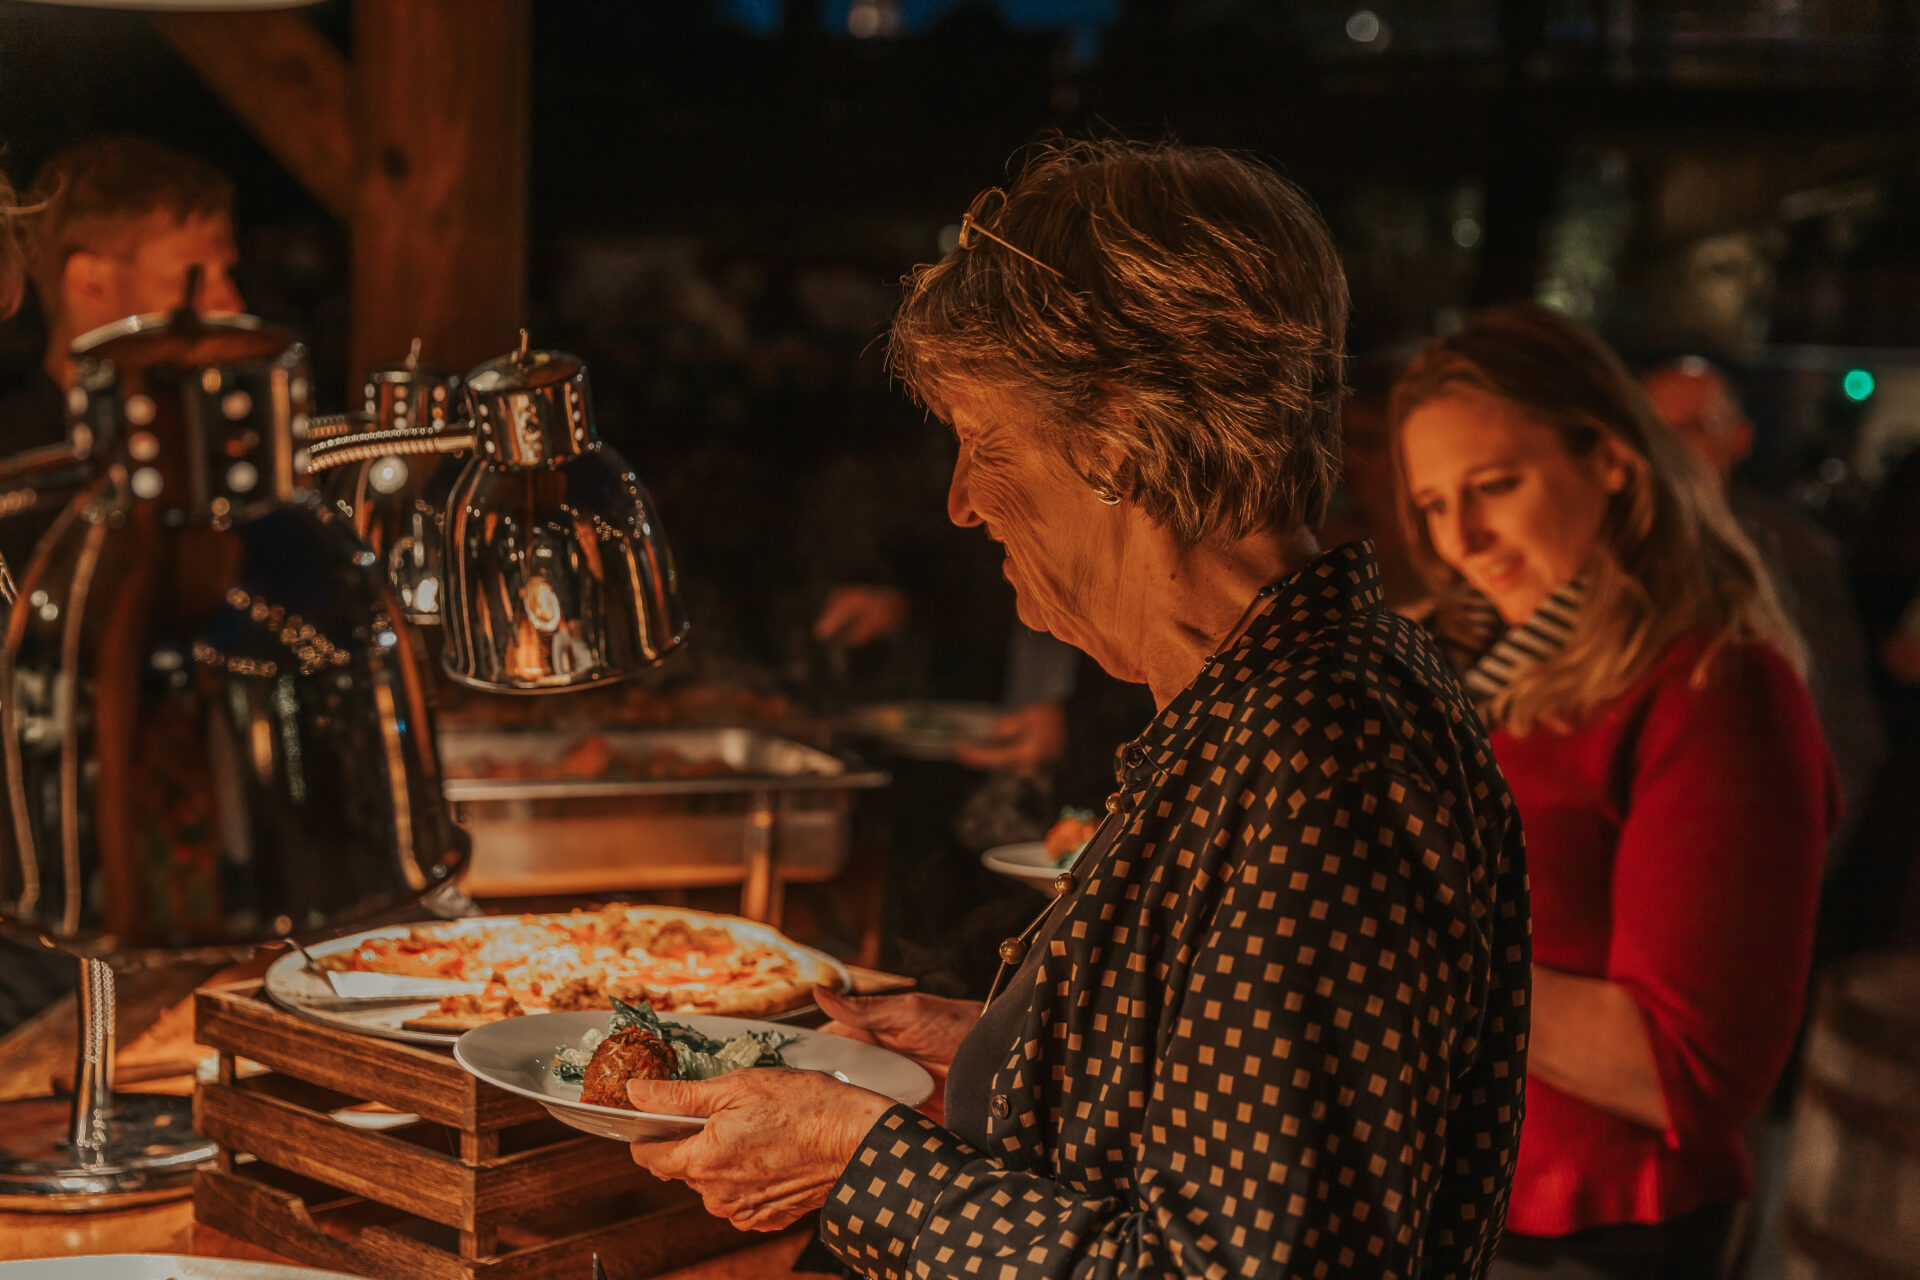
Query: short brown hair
[
  {"x": 1187, "y": 353},
  {"x": 98, "y": 188},
  {"x": 1672, "y": 557}
]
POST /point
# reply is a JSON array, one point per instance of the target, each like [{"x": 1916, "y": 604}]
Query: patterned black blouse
[{"x": 1282, "y": 1030}]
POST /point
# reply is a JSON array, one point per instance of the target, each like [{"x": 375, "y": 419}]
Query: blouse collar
[{"x": 1328, "y": 590}]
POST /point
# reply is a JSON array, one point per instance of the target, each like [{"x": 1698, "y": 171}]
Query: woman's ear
[
  {"x": 1616, "y": 464},
  {"x": 1109, "y": 460}
]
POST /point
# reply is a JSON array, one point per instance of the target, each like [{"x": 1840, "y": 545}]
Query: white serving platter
[{"x": 306, "y": 992}]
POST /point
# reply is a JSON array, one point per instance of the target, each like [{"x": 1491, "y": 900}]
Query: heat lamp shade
[
  {"x": 215, "y": 729},
  {"x": 558, "y": 576}
]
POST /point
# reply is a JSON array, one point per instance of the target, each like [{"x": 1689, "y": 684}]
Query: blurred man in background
[
  {"x": 1697, "y": 402},
  {"x": 125, "y": 221},
  {"x": 111, "y": 229}
]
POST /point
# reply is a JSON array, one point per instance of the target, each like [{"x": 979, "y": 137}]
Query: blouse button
[
  {"x": 1000, "y": 1107},
  {"x": 1113, "y": 803}
]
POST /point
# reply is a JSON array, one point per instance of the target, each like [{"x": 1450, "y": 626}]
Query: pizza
[{"x": 677, "y": 961}]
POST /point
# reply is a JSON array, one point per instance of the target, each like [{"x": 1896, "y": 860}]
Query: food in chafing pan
[{"x": 593, "y": 756}]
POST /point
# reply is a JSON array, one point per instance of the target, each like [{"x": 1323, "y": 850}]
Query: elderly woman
[
  {"x": 1275, "y": 1022},
  {"x": 1616, "y": 628}
]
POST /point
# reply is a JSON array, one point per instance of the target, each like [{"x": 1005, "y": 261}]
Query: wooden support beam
[
  {"x": 281, "y": 76},
  {"x": 440, "y": 214}
]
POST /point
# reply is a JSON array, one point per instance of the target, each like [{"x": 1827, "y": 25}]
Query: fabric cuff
[
  {"x": 874, "y": 1212},
  {"x": 1687, "y": 1117}
]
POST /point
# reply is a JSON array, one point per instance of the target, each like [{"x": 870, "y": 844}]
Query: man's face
[{"x": 147, "y": 271}]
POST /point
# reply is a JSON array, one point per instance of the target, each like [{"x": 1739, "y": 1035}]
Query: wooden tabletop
[
  {"x": 157, "y": 1055},
  {"x": 169, "y": 1228}
]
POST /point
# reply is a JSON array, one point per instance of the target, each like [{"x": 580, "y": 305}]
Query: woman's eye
[
  {"x": 1494, "y": 488},
  {"x": 1431, "y": 509}
]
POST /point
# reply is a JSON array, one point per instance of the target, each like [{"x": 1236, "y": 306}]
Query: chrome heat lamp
[{"x": 215, "y": 731}]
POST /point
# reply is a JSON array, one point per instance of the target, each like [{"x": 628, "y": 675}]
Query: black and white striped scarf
[{"x": 1490, "y": 655}]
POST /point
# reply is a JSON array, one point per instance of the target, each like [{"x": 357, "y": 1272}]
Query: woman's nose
[
  {"x": 959, "y": 501},
  {"x": 1465, "y": 532}
]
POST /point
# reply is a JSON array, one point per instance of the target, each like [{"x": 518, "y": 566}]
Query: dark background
[{"x": 725, "y": 192}]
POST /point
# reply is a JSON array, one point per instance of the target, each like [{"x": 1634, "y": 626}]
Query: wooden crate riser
[
  {"x": 632, "y": 1245},
  {"x": 435, "y": 1185},
  {"x": 416, "y": 1078},
  {"x": 483, "y": 1185}
]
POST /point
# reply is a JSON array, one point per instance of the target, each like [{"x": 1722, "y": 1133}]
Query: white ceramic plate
[
  {"x": 1029, "y": 863},
  {"x": 517, "y": 1055},
  {"x": 156, "y": 1266},
  {"x": 926, "y": 730},
  {"x": 298, "y": 988}
]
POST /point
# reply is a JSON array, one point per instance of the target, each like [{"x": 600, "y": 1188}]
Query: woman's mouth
[{"x": 1502, "y": 573}]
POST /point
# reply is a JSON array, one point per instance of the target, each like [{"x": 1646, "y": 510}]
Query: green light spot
[{"x": 1858, "y": 384}]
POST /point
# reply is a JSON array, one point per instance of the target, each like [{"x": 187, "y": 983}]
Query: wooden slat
[
  {"x": 407, "y": 1077},
  {"x": 675, "y": 1235},
  {"x": 573, "y": 1168},
  {"x": 278, "y": 1221},
  {"x": 367, "y": 1164},
  {"x": 585, "y": 1169},
  {"x": 440, "y": 212},
  {"x": 290, "y": 86}
]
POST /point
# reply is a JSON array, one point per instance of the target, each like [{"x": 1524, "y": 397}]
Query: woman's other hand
[
  {"x": 1028, "y": 741},
  {"x": 926, "y": 1028},
  {"x": 1590, "y": 1039},
  {"x": 853, "y": 616},
  {"x": 774, "y": 1143}
]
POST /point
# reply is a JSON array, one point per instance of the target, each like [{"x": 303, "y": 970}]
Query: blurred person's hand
[
  {"x": 858, "y": 615},
  {"x": 1901, "y": 653},
  {"x": 1028, "y": 741}
]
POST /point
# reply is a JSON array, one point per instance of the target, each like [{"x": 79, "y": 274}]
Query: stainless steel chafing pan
[{"x": 781, "y": 815}]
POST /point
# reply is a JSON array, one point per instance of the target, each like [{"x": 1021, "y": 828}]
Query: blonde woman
[{"x": 1642, "y": 682}]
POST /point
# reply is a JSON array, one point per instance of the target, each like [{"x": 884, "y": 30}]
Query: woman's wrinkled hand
[
  {"x": 926, "y": 1028},
  {"x": 775, "y": 1141}
]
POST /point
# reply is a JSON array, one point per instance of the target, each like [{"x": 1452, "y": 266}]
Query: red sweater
[{"x": 1674, "y": 845}]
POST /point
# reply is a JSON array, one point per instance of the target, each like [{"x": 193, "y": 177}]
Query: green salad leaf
[{"x": 696, "y": 1056}]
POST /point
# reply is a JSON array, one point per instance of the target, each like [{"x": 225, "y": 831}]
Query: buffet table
[{"x": 36, "y": 1062}]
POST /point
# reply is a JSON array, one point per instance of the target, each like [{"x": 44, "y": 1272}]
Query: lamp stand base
[{"x": 149, "y": 1155}]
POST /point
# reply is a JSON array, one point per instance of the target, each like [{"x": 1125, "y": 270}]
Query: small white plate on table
[
  {"x": 517, "y": 1055},
  {"x": 156, "y": 1266},
  {"x": 1029, "y": 863}
]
